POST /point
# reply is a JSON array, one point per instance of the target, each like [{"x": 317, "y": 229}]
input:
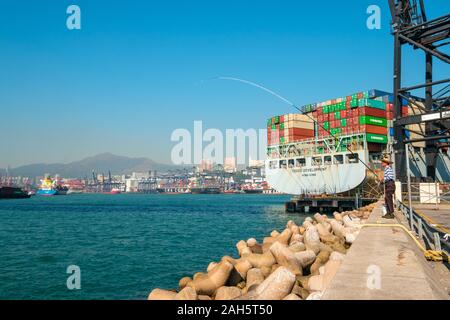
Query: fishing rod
[{"x": 297, "y": 108}]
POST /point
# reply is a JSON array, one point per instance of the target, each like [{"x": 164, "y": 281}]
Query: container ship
[
  {"x": 325, "y": 149},
  {"x": 204, "y": 186},
  {"x": 13, "y": 193}
]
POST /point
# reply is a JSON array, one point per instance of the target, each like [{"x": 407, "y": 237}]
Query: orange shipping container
[
  {"x": 301, "y": 132},
  {"x": 373, "y": 129}
]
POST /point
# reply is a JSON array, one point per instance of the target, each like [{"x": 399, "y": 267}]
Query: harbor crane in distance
[{"x": 411, "y": 26}]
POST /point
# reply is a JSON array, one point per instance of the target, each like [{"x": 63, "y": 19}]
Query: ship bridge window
[
  {"x": 273, "y": 164},
  {"x": 317, "y": 161},
  {"x": 300, "y": 162},
  {"x": 327, "y": 160},
  {"x": 352, "y": 158},
  {"x": 338, "y": 159},
  {"x": 291, "y": 163},
  {"x": 283, "y": 164}
]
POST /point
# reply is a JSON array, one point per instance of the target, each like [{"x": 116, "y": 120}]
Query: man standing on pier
[{"x": 389, "y": 188}]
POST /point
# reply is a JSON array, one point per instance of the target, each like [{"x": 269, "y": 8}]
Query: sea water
[{"x": 124, "y": 245}]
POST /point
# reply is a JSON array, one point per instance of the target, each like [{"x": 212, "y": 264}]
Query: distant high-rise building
[
  {"x": 255, "y": 163},
  {"x": 230, "y": 165},
  {"x": 206, "y": 165}
]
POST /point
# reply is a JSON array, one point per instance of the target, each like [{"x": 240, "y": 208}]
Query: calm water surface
[{"x": 125, "y": 245}]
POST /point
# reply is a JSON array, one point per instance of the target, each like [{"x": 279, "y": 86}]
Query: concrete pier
[
  {"x": 385, "y": 264},
  {"x": 439, "y": 216}
]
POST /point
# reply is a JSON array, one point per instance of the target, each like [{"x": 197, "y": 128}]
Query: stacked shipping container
[
  {"x": 289, "y": 128},
  {"x": 370, "y": 112}
]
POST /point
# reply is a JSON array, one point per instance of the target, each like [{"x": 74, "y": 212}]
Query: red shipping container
[
  {"x": 343, "y": 114},
  {"x": 373, "y": 129},
  {"x": 390, "y": 115},
  {"x": 319, "y": 111},
  {"x": 389, "y": 107},
  {"x": 281, "y": 133},
  {"x": 320, "y": 118},
  {"x": 331, "y": 116},
  {"x": 360, "y": 95},
  {"x": 301, "y": 132},
  {"x": 366, "y": 111},
  {"x": 281, "y": 119},
  {"x": 405, "y": 111}
]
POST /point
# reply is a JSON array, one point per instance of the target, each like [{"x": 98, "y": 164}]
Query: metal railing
[
  {"x": 433, "y": 237},
  {"x": 434, "y": 193}
]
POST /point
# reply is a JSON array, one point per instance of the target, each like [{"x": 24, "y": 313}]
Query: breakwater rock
[{"x": 297, "y": 263}]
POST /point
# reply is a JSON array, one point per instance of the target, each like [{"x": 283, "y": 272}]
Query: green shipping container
[
  {"x": 326, "y": 109},
  {"x": 326, "y": 125},
  {"x": 373, "y": 121},
  {"x": 372, "y": 103},
  {"x": 282, "y": 140},
  {"x": 269, "y": 122},
  {"x": 376, "y": 138},
  {"x": 337, "y": 115},
  {"x": 277, "y": 120},
  {"x": 282, "y": 126},
  {"x": 274, "y": 127},
  {"x": 343, "y": 122}
]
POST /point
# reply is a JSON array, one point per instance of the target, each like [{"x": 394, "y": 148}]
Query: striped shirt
[{"x": 388, "y": 174}]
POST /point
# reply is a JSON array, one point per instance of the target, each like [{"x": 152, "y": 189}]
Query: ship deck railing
[{"x": 330, "y": 145}]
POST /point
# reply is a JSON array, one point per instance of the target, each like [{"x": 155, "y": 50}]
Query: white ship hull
[{"x": 310, "y": 178}]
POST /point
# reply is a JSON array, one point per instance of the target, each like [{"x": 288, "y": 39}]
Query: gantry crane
[{"x": 410, "y": 26}]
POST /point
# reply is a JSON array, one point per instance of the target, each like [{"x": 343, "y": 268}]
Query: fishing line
[{"x": 294, "y": 106}]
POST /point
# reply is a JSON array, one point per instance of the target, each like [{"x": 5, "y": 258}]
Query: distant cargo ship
[
  {"x": 254, "y": 191},
  {"x": 205, "y": 190},
  {"x": 114, "y": 191},
  {"x": 13, "y": 193},
  {"x": 51, "y": 187}
]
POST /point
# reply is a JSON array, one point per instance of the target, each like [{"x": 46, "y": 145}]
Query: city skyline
[{"x": 136, "y": 72}]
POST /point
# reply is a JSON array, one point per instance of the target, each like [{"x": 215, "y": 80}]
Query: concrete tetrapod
[
  {"x": 277, "y": 286},
  {"x": 216, "y": 278},
  {"x": 227, "y": 293},
  {"x": 286, "y": 258},
  {"x": 160, "y": 294},
  {"x": 239, "y": 272},
  {"x": 254, "y": 278},
  {"x": 312, "y": 239},
  {"x": 305, "y": 258},
  {"x": 187, "y": 293},
  {"x": 261, "y": 260}
]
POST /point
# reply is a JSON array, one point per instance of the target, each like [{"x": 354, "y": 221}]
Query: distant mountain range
[{"x": 100, "y": 164}]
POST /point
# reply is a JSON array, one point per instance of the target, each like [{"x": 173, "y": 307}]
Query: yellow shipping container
[
  {"x": 417, "y": 108},
  {"x": 420, "y": 128}
]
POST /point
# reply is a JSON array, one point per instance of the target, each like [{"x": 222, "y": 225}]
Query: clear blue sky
[{"x": 134, "y": 72}]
